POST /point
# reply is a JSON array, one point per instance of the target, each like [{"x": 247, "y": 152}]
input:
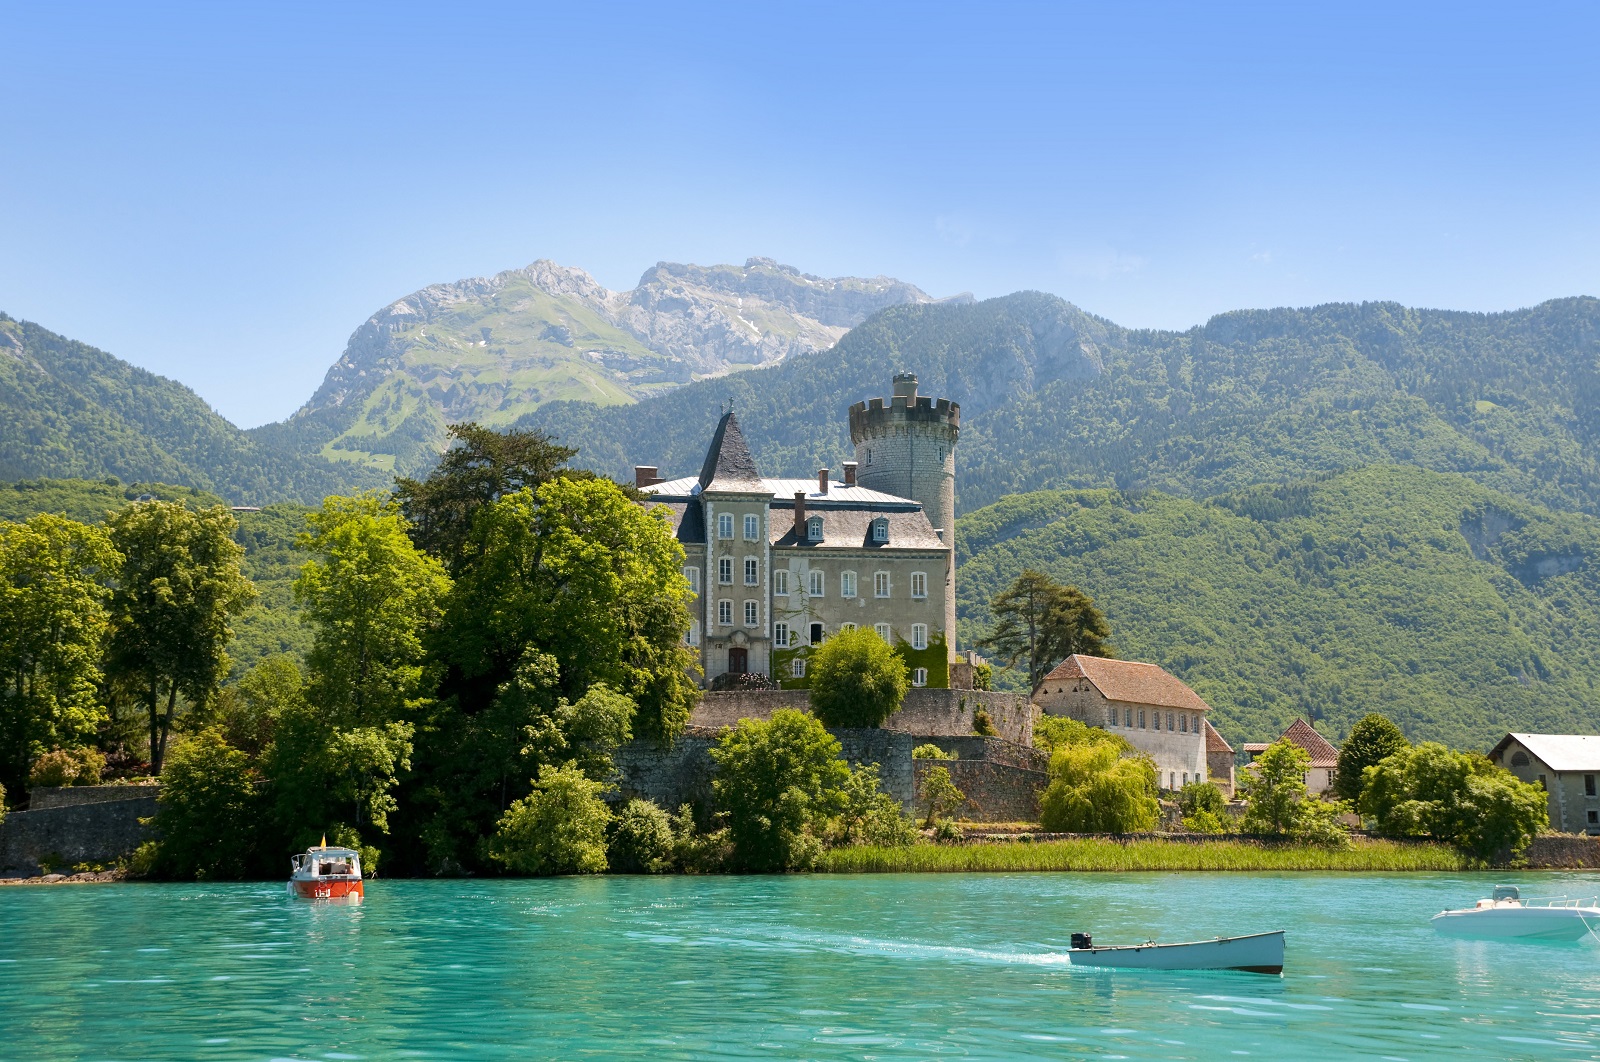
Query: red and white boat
[{"x": 324, "y": 873}]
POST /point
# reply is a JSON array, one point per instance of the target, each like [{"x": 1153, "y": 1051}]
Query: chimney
[
  {"x": 849, "y": 473},
  {"x": 800, "y": 515},
  {"x": 822, "y": 481},
  {"x": 646, "y": 475}
]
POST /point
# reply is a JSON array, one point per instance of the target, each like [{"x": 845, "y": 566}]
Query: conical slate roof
[{"x": 729, "y": 465}]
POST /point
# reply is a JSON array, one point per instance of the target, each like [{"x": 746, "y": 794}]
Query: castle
[{"x": 778, "y": 565}]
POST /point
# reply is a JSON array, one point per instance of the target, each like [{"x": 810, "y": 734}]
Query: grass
[{"x": 1103, "y": 854}]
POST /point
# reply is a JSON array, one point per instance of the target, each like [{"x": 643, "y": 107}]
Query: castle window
[
  {"x": 919, "y": 584},
  {"x": 693, "y": 575},
  {"x": 692, "y": 635},
  {"x": 725, "y": 612},
  {"x": 1113, "y": 714},
  {"x": 725, "y": 525},
  {"x": 819, "y": 583},
  {"x": 780, "y": 635},
  {"x": 1172, "y": 779},
  {"x": 1169, "y": 720},
  {"x": 882, "y": 630},
  {"x": 814, "y": 529},
  {"x": 752, "y": 528},
  {"x": 868, "y": 461},
  {"x": 1185, "y": 777},
  {"x": 780, "y": 581},
  {"x": 919, "y": 676},
  {"x": 847, "y": 627},
  {"x": 1157, "y": 720},
  {"x": 752, "y": 571},
  {"x": 880, "y": 530},
  {"x": 1588, "y": 785},
  {"x": 1141, "y": 718},
  {"x": 816, "y": 634},
  {"x": 725, "y": 571},
  {"x": 797, "y": 667},
  {"x": 847, "y": 584},
  {"x": 919, "y": 636},
  {"x": 1183, "y": 724},
  {"x": 1127, "y": 718},
  {"x": 880, "y": 584},
  {"x": 752, "y": 614},
  {"x": 1519, "y": 758}
]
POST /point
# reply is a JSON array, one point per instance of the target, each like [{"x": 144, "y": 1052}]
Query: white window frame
[
  {"x": 919, "y": 676},
  {"x": 846, "y": 627},
  {"x": 1183, "y": 722},
  {"x": 819, "y": 583},
  {"x": 752, "y": 613},
  {"x": 780, "y": 635},
  {"x": 919, "y": 636},
  {"x": 847, "y": 584},
  {"x": 882, "y": 585},
  {"x": 880, "y": 530},
  {"x": 692, "y": 635},
  {"x": 752, "y": 527},
  {"x": 752, "y": 571},
  {"x": 780, "y": 581},
  {"x": 919, "y": 584},
  {"x": 691, "y": 573},
  {"x": 724, "y": 525},
  {"x": 884, "y": 631},
  {"x": 725, "y": 612},
  {"x": 797, "y": 667},
  {"x": 724, "y": 571},
  {"x": 814, "y": 529},
  {"x": 1113, "y": 717}
]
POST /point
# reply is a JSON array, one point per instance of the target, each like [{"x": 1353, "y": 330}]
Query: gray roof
[
  {"x": 1559, "y": 752},
  {"x": 687, "y": 519},
  {"x": 728, "y": 465},
  {"x": 852, "y": 528},
  {"x": 785, "y": 490}
]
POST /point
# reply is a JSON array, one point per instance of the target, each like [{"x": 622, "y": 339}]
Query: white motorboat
[
  {"x": 1505, "y": 915},
  {"x": 1255, "y": 953}
]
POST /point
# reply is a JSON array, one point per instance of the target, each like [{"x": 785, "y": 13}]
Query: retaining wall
[
  {"x": 42, "y": 797},
  {"x": 88, "y": 832},
  {"x": 1573, "y": 851},
  {"x": 924, "y": 712}
]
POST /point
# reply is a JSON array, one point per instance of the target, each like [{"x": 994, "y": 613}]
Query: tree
[
  {"x": 1274, "y": 788},
  {"x": 641, "y": 839},
  {"x": 868, "y": 815},
  {"x": 1051, "y": 732},
  {"x": 208, "y": 813},
  {"x": 480, "y": 467},
  {"x": 248, "y": 711},
  {"x": 1372, "y": 740},
  {"x": 1041, "y": 622},
  {"x": 178, "y": 586},
  {"x": 68, "y": 766},
  {"x": 940, "y": 794},
  {"x": 323, "y": 775},
  {"x": 779, "y": 782},
  {"x": 369, "y": 594},
  {"x": 1096, "y": 788},
  {"x": 559, "y": 828},
  {"x": 1429, "y": 790},
  {"x": 1203, "y": 808},
  {"x": 857, "y": 680},
  {"x": 53, "y": 623}
]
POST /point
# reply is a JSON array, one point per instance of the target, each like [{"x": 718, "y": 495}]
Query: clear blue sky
[{"x": 223, "y": 193}]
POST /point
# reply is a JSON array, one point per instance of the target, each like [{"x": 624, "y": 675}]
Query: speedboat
[
  {"x": 324, "y": 873},
  {"x": 1505, "y": 915},
  {"x": 1254, "y": 953}
]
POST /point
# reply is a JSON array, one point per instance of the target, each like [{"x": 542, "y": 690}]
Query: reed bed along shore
[{"x": 1105, "y": 854}]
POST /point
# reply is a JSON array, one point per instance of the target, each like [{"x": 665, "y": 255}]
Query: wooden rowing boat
[{"x": 1254, "y": 953}]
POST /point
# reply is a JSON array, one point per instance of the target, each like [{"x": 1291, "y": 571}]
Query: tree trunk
[
  {"x": 155, "y": 728},
  {"x": 158, "y": 753}
]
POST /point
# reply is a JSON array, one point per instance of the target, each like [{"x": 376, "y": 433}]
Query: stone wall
[
  {"x": 1567, "y": 850},
  {"x": 42, "y": 797},
  {"x": 995, "y": 791},
  {"x": 89, "y": 832},
  {"x": 925, "y": 712}
]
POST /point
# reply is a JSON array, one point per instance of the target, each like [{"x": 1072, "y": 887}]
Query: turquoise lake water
[{"x": 868, "y": 967}]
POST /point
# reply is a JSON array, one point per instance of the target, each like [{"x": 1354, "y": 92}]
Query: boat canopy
[{"x": 1506, "y": 892}]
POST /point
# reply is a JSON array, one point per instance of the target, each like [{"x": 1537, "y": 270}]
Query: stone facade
[
  {"x": 97, "y": 832},
  {"x": 778, "y": 565},
  {"x": 1566, "y": 766},
  {"x": 925, "y": 712}
]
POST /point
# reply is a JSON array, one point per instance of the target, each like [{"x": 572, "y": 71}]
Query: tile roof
[
  {"x": 1322, "y": 753},
  {"x": 1214, "y": 742},
  {"x": 1559, "y": 752},
  {"x": 728, "y": 465},
  {"x": 1130, "y": 681}
]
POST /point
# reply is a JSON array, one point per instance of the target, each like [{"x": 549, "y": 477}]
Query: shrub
[
  {"x": 982, "y": 676},
  {"x": 641, "y": 839},
  {"x": 869, "y": 815},
  {"x": 931, "y": 751},
  {"x": 1095, "y": 788},
  {"x": 1203, "y": 808},
  {"x": 209, "y": 813},
  {"x": 1432, "y": 791},
  {"x": 947, "y": 832},
  {"x": 746, "y": 681},
  {"x": 982, "y": 725},
  {"x": 1051, "y": 732},
  {"x": 559, "y": 828},
  {"x": 779, "y": 784},
  {"x": 1372, "y": 740},
  {"x": 696, "y": 851},
  {"x": 1274, "y": 789},
  {"x": 857, "y": 680},
  {"x": 939, "y": 794},
  {"x": 74, "y": 766}
]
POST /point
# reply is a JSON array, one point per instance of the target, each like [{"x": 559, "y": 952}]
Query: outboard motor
[{"x": 1082, "y": 940}]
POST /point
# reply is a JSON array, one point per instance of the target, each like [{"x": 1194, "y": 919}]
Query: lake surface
[{"x": 869, "y": 967}]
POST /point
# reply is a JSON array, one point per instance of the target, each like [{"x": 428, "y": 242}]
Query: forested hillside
[
  {"x": 68, "y": 409},
  {"x": 1052, "y": 397},
  {"x": 1458, "y": 611}
]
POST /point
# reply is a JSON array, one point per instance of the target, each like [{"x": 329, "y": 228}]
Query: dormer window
[
  {"x": 814, "y": 529},
  {"x": 880, "y": 530}
]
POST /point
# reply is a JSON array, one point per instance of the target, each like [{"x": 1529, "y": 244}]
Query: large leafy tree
[
  {"x": 178, "y": 588},
  {"x": 857, "y": 680},
  {"x": 53, "y": 589},
  {"x": 480, "y": 467},
  {"x": 559, "y": 828},
  {"x": 1277, "y": 801},
  {"x": 1098, "y": 785},
  {"x": 209, "y": 815},
  {"x": 1372, "y": 740},
  {"x": 1430, "y": 790},
  {"x": 370, "y": 595},
  {"x": 1039, "y": 622},
  {"x": 781, "y": 783}
]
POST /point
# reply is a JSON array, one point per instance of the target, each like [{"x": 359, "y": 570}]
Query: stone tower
[{"x": 908, "y": 448}]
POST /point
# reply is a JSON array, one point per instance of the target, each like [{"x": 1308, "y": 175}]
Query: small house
[
  {"x": 1324, "y": 757},
  {"x": 1566, "y": 765}
]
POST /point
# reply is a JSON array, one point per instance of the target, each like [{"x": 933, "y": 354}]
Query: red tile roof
[
  {"x": 1322, "y": 753},
  {"x": 1129, "y": 681},
  {"x": 1214, "y": 742}
]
